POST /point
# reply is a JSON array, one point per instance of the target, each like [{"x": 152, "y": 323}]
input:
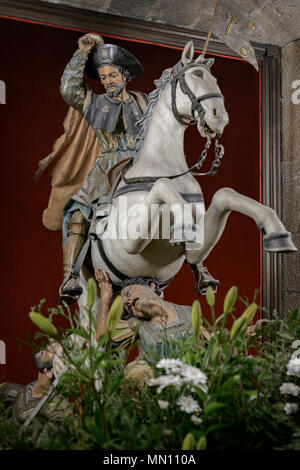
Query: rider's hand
[
  {"x": 106, "y": 290},
  {"x": 86, "y": 43}
]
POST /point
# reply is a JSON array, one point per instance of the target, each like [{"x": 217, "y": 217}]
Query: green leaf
[
  {"x": 220, "y": 318},
  {"x": 285, "y": 336},
  {"x": 91, "y": 292},
  {"x": 215, "y": 351},
  {"x": 214, "y": 427},
  {"x": 114, "y": 386},
  {"x": 80, "y": 332},
  {"x": 97, "y": 417},
  {"x": 103, "y": 339},
  {"x": 213, "y": 407},
  {"x": 294, "y": 318},
  {"x": 80, "y": 357},
  {"x": 201, "y": 394},
  {"x": 231, "y": 381},
  {"x": 262, "y": 376}
]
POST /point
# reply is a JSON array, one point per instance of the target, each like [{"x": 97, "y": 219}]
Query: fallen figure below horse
[
  {"x": 158, "y": 178},
  {"x": 149, "y": 321}
]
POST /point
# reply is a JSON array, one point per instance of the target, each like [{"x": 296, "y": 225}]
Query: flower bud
[
  {"x": 230, "y": 299},
  {"x": 91, "y": 292},
  {"x": 196, "y": 316},
  {"x": 241, "y": 323},
  {"x": 249, "y": 313},
  {"x": 236, "y": 328},
  {"x": 114, "y": 314},
  {"x": 43, "y": 324},
  {"x": 210, "y": 296},
  {"x": 188, "y": 442},
  {"x": 202, "y": 443}
]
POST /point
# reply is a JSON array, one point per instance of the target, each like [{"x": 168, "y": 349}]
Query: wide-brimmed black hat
[{"x": 107, "y": 54}]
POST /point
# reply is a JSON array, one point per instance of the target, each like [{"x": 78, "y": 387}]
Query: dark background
[{"x": 33, "y": 57}]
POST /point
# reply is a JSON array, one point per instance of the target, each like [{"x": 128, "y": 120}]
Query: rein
[{"x": 178, "y": 72}]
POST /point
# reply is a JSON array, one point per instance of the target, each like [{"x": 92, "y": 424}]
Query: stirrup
[
  {"x": 70, "y": 290},
  {"x": 209, "y": 281}
]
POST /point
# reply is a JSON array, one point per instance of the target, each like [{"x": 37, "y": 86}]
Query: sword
[{"x": 59, "y": 368}]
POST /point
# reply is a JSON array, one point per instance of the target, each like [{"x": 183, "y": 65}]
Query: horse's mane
[{"x": 153, "y": 99}]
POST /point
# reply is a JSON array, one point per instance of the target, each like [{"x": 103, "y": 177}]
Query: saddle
[{"x": 114, "y": 177}]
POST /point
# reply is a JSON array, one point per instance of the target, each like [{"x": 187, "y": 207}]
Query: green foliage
[{"x": 210, "y": 395}]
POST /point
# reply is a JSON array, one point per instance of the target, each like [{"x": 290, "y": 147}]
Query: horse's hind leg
[{"x": 225, "y": 200}]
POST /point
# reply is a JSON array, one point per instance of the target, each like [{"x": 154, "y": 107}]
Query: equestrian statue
[
  {"x": 125, "y": 145},
  {"x": 100, "y": 132}
]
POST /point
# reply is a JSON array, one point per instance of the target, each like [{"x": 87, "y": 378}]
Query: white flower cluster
[
  {"x": 293, "y": 367},
  {"x": 166, "y": 381},
  {"x": 179, "y": 373},
  {"x": 196, "y": 419},
  {"x": 291, "y": 408},
  {"x": 170, "y": 365},
  {"x": 289, "y": 389},
  {"x": 163, "y": 404},
  {"x": 188, "y": 404}
]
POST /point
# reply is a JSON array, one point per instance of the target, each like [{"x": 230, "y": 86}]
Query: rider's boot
[
  {"x": 203, "y": 279},
  {"x": 70, "y": 289}
]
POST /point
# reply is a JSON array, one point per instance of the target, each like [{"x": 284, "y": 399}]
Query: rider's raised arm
[{"x": 72, "y": 89}]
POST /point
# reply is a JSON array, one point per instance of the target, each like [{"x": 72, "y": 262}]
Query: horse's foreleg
[
  {"x": 225, "y": 200},
  {"x": 143, "y": 218}
]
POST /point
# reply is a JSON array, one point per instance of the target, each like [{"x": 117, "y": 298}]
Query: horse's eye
[{"x": 197, "y": 73}]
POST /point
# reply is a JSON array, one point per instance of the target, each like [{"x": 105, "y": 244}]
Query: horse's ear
[
  {"x": 188, "y": 53},
  {"x": 201, "y": 60},
  {"x": 209, "y": 62}
]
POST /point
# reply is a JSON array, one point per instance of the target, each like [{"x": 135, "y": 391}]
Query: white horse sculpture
[{"x": 185, "y": 94}]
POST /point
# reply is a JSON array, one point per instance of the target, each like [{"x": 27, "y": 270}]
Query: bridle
[
  {"x": 177, "y": 76},
  {"x": 178, "y": 73}
]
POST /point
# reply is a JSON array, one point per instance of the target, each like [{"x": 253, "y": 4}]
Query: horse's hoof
[
  {"x": 279, "y": 242},
  {"x": 203, "y": 279},
  {"x": 69, "y": 299}
]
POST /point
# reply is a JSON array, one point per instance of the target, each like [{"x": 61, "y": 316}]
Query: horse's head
[{"x": 198, "y": 98}]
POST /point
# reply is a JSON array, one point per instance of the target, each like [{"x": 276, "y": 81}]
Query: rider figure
[{"x": 112, "y": 117}]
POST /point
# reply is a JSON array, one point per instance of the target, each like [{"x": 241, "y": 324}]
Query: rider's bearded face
[{"x": 112, "y": 80}]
